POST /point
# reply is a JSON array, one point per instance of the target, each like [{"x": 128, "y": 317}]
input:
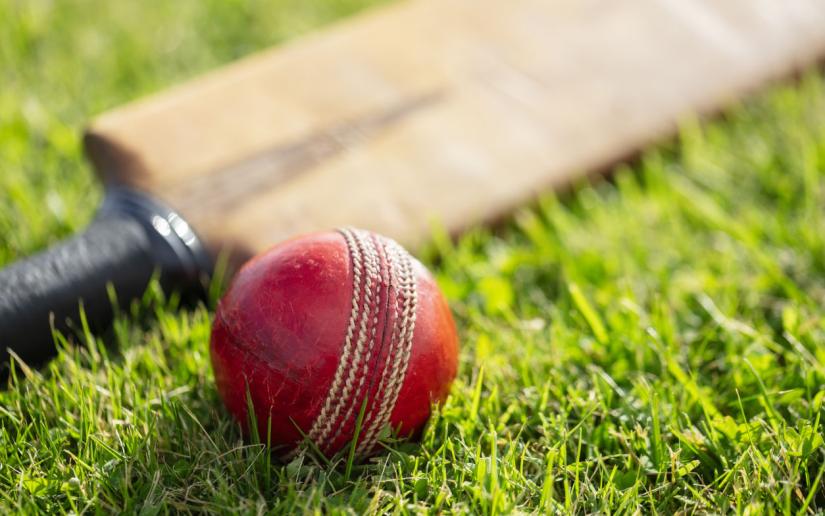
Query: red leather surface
[{"x": 280, "y": 329}]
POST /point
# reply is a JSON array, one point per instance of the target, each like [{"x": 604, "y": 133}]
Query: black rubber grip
[
  {"x": 50, "y": 286},
  {"x": 133, "y": 237}
]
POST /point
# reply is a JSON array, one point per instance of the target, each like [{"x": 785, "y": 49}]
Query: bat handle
[{"x": 133, "y": 237}]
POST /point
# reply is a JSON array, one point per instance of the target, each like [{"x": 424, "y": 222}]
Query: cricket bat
[{"x": 447, "y": 111}]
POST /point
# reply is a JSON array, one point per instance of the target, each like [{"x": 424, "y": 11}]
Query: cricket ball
[{"x": 331, "y": 332}]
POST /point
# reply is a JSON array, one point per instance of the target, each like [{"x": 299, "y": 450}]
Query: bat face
[{"x": 450, "y": 111}]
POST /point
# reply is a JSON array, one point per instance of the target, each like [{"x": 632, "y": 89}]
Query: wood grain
[{"x": 448, "y": 110}]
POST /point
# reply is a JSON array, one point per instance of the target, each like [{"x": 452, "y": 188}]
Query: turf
[{"x": 653, "y": 343}]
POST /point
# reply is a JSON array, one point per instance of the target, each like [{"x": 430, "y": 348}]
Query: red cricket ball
[{"x": 326, "y": 325}]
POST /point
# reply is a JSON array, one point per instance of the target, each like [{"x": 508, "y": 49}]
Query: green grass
[{"x": 654, "y": 343}]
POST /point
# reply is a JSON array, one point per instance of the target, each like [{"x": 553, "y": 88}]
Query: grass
[{"x": 649, "y": 344}]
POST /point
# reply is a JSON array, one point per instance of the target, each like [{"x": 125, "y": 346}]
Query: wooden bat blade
[{"x": 455, "y": 110}]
